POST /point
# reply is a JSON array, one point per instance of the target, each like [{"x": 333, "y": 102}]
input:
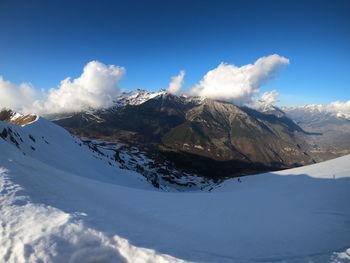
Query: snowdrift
[{"x": 62, "y": 202}]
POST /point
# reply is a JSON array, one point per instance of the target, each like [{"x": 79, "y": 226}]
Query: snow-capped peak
[
  {"x": 266, "y": 107},
  {"x": 312, "y": 108},
  {"x": 137, "y": 97},
  {"x": 140, "y": 96}
]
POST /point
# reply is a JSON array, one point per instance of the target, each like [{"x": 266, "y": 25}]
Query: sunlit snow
[{"x": 61, "y": 203}]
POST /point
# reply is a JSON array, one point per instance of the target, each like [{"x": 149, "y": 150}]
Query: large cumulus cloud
[
  {"x": 96, "y": 88},
  {"x": 238, "y": 84},
  {"x": 17, "y": 97}
]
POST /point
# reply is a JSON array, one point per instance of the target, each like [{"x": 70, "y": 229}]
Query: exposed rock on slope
[
  {"x": 16, "y": 118},
  {"x": 188, "y": 126},
  {"x": 115, "y": 163}
]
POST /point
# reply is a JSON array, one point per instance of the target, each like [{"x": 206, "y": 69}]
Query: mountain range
[
  {"x": 200, "y": 135},
  {"x": 69, "y": 199},
  {"x": 329, "y": 130},
  {"x": 112, "y": 193},
  {"x": 211, "y": 138}
]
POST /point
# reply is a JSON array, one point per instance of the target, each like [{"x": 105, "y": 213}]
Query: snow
[
  {"x": 63, "y": 203},
  {"x": 15, "y": 116},
  {"x": 315, "y": 111},
  {"x": 137, "y": 97}
]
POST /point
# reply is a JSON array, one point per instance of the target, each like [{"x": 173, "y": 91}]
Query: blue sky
[{"x": 43, "y": 42}]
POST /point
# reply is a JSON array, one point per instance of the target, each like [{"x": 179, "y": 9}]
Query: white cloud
[
  {"x": 269, "y": 97},
  {"x": 176, "y": 83},
  {"x": 338, "y": 107},
  {"x": 238, "y": 84},
  {"x": 95, "y": 88},
  {"x": 16, "y": 97},
  {"x": 98, "y": 86},
  {"x": 264, "y": 102}
]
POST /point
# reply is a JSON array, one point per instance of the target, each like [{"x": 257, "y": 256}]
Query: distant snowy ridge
[
  {"x": 316, "y": 111},
  {"x": 139, "y": 96}
]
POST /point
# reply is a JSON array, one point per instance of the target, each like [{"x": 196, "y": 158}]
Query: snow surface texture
[{"x": 61, "y": 204}]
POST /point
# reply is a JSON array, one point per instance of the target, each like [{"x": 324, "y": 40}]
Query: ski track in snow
[{"x": 59, "y": 203}]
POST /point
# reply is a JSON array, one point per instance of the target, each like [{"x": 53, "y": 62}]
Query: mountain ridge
[
  {"x": 209, "y": 128},
  {"x": 185, "y": 127}
]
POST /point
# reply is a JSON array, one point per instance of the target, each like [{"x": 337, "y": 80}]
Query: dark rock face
[{"x": 209, "y": 133}]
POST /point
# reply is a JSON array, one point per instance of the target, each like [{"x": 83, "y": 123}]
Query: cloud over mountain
[
  {"x": 269, "y": 97},
  {"x": 176, "y": 83},
  {"x": 266, "y": 99},
  {"x": 96, "y": 88},
  {"x": 338, "y": 107},
  {"x": 238, "y": 84},
  {"x": 18, "y": 97}
]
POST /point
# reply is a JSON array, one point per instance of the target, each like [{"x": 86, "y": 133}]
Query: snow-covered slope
[
  {"x": 69, "y": 206},
  {"x": 52, "y": 145}
]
